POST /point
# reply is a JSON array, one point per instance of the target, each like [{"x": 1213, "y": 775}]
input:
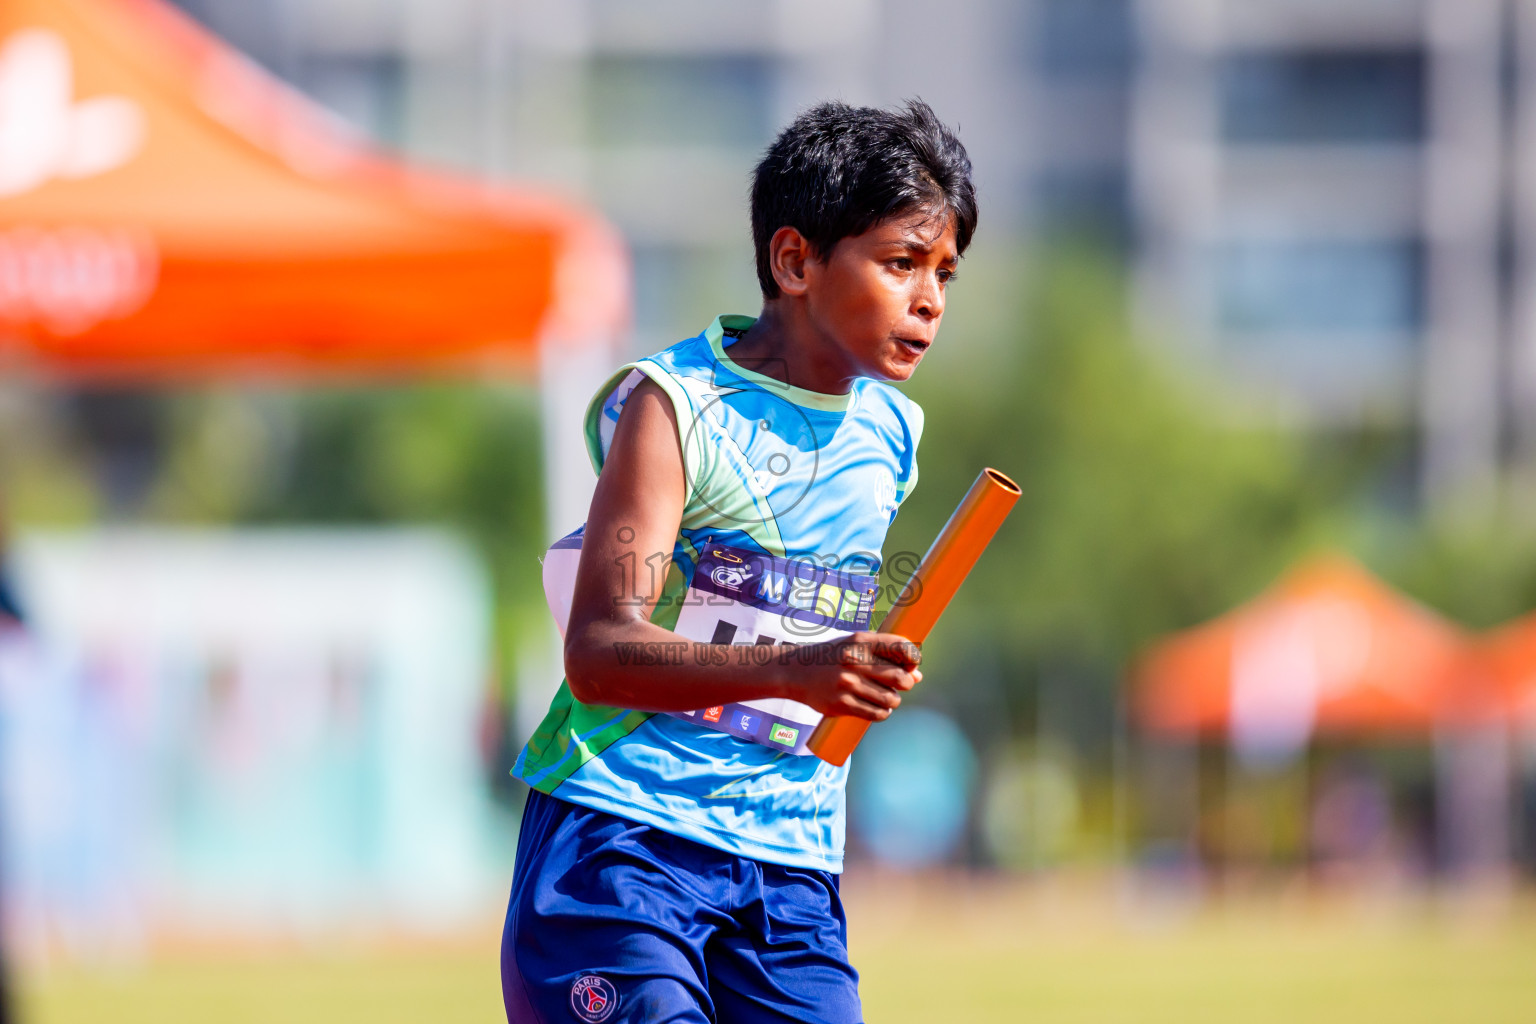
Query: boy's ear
[{"x": 788, "y": 253}]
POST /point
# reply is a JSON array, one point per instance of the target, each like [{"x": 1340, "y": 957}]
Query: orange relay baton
[{"x": 929, "y": 590}]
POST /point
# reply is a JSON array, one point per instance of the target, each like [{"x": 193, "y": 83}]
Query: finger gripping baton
[{"x": 929, "y": 589}]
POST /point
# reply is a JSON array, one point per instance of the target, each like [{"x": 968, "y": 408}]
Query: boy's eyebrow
[{"x": 923, "y": 247}]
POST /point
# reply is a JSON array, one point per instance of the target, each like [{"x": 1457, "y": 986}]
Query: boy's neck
[{"x": 786, "y": 345}]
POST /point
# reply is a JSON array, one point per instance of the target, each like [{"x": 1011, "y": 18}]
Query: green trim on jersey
[{"x": 573, "y": 733}]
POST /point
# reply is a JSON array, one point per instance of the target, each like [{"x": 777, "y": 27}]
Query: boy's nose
[{"x": 928, "y": 303}]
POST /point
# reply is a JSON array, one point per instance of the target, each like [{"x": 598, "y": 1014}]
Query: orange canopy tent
[
  {"x": 1328, "y": 650},
  {"x": 167, "y": 207},
  {"x": 1506, "y": 659}
]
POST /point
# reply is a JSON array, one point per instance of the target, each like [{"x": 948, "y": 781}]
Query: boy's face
[{"x": 879, "y": 296}]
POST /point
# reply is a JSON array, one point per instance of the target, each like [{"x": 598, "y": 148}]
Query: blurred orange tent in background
[
  {"x": 1327, "y": 650},
  {"x": 1506, "y": 658},
  {"x": 167, "y": 207}
]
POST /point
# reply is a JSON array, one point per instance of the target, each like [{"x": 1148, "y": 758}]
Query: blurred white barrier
[{"x": 249, "y": 731}]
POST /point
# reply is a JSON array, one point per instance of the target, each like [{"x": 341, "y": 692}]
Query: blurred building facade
[
  {"x": 1330, "y": 204},
  {"x": 1330, "y": 198},
  {"x": 656, "y": 112}
]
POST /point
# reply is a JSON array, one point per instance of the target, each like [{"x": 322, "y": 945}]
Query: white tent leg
[{"x": 569, "y": 374}]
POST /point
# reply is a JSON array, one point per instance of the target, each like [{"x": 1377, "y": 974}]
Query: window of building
[
  {"x": 1319, "y": 286},
  {"x": 1323, "y": 97},
  {"x": 678, "y": 99},
  {"x": 1081, "y": 38}
]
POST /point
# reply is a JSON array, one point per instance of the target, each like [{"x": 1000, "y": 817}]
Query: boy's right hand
[{"x": 858, "y": 676}]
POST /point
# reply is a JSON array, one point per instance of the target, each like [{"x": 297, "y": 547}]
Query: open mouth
[{"x": 914, "y": 346}]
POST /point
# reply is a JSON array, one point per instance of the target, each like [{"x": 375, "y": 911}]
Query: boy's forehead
[{"x": 924, "y": 228}]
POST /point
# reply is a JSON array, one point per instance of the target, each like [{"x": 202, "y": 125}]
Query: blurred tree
[
  {"x": 460, "y": 455},
  {"x": 1480, "y": 574},
  {"x": 1152, "y": 501},
  {"x": 1149, "y": 504}
]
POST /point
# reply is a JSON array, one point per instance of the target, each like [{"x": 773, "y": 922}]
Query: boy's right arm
[{"x": 636, "y": 511}]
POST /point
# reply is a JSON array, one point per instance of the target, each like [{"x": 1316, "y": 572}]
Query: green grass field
[{"x": 931, "y": 951}]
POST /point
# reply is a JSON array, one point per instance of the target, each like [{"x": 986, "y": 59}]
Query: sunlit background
[{"x": 1236, "y": 720}]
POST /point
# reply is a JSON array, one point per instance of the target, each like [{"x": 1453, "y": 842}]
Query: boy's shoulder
[{"x": 691, "y": 357}]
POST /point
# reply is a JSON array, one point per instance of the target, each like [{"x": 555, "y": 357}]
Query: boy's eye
[{"x": 902, "y": 263}]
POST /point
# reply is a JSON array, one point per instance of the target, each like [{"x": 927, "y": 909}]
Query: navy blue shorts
[{"x": 611, "y": 920}]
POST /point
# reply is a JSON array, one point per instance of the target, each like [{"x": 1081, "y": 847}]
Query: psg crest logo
[{"x": 593, "y": 998}]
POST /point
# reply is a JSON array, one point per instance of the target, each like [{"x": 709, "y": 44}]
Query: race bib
[{"x": 747, "y": 599}]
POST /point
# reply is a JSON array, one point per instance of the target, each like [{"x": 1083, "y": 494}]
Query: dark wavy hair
[{"x": 838, "y": 170}]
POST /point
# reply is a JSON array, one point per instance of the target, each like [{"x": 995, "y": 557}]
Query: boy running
[{"x": 680, "y": 851}]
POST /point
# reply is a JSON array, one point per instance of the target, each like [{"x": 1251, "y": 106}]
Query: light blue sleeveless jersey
[{"x": 791, "y": 493}]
